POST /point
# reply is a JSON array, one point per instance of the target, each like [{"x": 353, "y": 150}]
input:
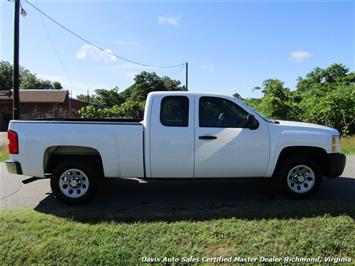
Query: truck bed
[{"x": 118, "y": 142}]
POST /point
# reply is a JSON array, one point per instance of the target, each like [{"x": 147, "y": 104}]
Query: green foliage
[
  {"x": 129, "y": 103},
  {"x": 347, "y": 144},
  {"x": 28, "y": 80},
  {"x": 277, "y": 101},
  {"x": 56, "y": 85},
  {"x": 253, "y": 103},
  {"x": 4, "y": 153},
  {"x": 103, "y": 98},
  {"x": 324, "y": 96},
  {"x": 321, "y": 81},
  {"x": 146, "y": 82},
  {"x": 335, "y": 109},
  {"x": 6, "y": 71},
  {"x": 328, "y": 97},
  {"x": 89, "y": 112},
  {"x": 129, "y": 109}
]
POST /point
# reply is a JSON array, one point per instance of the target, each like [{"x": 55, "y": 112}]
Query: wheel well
[
  {"x": 319, "y": 155},
  {"x": 57, "y": 154}
]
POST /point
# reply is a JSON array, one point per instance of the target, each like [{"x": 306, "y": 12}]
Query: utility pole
[
  {"x": 187, "y": 76},
  {"x": 16, "y": 82}
]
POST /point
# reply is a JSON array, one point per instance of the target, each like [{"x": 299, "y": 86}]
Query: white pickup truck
[{"x": 183, "y": 135}]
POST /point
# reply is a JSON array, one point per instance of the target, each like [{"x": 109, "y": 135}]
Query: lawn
[
  {"x": 287, "y": 228},
  {"x": 4, "y": 153},
  {"x": 348, "y": 144}
]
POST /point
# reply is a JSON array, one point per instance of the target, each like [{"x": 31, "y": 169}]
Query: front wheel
[
  {"x": 300, "y": 177},
  {"x": 74, "y": 183}
]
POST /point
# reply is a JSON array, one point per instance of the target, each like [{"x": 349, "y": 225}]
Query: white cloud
[
  {"x": 172, "y": 21},
  {"x": 209, "y": 67},
  {"x": 126, "y": 43},
  {"x": 299, "y": 56},
  {"x": 90, "y": 52}
]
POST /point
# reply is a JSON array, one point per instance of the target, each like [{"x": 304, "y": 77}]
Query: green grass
[
  {"x": 29, "y": 237},
  {"x": 348, "y": 144},
  {"x": 4, "y": 153}
]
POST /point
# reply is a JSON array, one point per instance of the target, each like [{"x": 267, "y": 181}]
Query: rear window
[{"x": 174, "y": 111}]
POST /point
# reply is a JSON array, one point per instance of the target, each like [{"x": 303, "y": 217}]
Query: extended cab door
[
  {"x": 224, "y": 146},
  {"x": 172, "y": 136}
]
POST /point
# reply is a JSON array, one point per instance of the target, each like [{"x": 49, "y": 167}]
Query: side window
[
  {"x": 219, "y": 112},
  {"x": 174, "y": 111}
]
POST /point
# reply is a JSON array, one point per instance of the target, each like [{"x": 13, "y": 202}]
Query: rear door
[
  {"x": 224, "y": 146},
  {"x": 172, "y": 136}
]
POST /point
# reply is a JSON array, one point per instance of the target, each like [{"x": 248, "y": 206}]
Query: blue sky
[{"x": 231, "y": 46}]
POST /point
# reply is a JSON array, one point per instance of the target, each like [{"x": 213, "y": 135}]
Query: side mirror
[{"x": 252, "y": 123}]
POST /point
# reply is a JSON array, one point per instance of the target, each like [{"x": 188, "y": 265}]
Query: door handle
[{"x": 207, "y": 137}]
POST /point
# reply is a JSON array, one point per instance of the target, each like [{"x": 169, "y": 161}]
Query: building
[{"x": 40, "y": 104}]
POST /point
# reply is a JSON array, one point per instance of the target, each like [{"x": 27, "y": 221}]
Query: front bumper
[
  {"x": 336, "y": 164},
  {"x": 13, "y": 167}
]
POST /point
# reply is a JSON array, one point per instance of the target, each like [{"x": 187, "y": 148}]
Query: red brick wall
[{"x": 39, "y": 110}]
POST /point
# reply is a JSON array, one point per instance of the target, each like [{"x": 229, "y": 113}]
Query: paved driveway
[{"x": 124, "y": 194}]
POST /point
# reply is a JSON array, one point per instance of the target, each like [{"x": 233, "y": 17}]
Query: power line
[
  {"x": 96, "y": 46},
  {"x": 54, "y": 47},
  {"x": 175, "y": 72}
]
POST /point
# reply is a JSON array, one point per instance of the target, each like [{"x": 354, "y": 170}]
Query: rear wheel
[
  {"x": 74, "y": 183},
  {"x": 300, "y": 177}
]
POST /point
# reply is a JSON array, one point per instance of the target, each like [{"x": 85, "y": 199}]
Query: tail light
[{"x": 13, "y": 142}]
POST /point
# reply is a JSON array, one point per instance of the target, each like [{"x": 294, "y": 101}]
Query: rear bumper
[
  {"x": 13, "y": 167},
  {"x": 336, "y": 164}
]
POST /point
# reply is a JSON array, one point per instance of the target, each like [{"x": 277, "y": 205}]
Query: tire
[
  {"x": 74, "y": 182},
  {"x": 299, "y": 177}
]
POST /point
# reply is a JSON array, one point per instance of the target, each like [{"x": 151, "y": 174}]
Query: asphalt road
[{"x": 127, "y": 194}]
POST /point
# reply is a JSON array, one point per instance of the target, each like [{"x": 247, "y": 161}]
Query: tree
[
  {"x": 6, "y": 71},
  {"x": 146, "y": 82},
  {"x": 129, "y": 103},
  {"x": 28, "y": 80},
  {"x": 56, "y": 85},
  {"x": 129, "y": 109},
  {"x": 323, "y": 96},
  {"x": 254, "y": 103},
  {"x": 335, "y": 109},
  {"x": 103, "y": 98},
  {"x": 327, "y": 96},
  {"x": 89, "y": 112},
  {"x": 320, "y": 81},
  {"x": 237, "y": 95},
  {"x": 277, "y": 101},
  {"x": 85, "y": 98}
]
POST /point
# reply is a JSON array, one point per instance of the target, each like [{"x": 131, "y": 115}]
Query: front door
[{"x": 224, "y": 147}]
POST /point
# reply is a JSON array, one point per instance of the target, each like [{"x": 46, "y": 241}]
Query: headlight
[{"x": 335, "y": 144}]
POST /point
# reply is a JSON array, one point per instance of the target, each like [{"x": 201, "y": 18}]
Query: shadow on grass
[{"x": 200, "y": 200}]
